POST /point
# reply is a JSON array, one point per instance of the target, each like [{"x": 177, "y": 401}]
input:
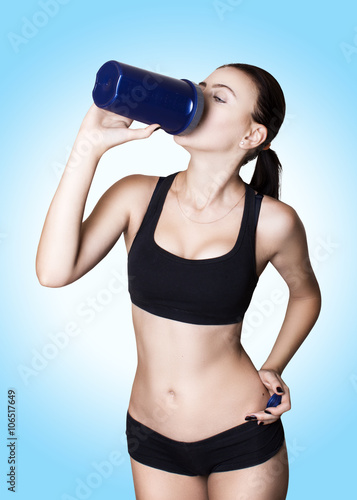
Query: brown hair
[{"x": 269, "y": 111}]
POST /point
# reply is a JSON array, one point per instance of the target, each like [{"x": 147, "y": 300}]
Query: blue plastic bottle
[
  {"x": 148, "y": 97},
  {"x": 274, "y": 400}
]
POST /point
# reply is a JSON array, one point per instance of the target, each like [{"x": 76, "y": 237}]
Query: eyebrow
[{"x": 219, "y": 85}]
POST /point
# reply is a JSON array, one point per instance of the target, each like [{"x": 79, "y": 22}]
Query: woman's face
[{"x": 230, "y": 97}]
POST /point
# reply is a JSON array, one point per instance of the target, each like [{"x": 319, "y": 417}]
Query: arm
[
  {"x": 289, "y": 255},
  {"x": 291, "y": 260},
  {"x": 68, "y": 247}
]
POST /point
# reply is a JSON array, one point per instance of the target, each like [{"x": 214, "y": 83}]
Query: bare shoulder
[
  {"x": 281, "y": 217},
  {"x": 132, "y": 193},
  {"x": 137, "y": 185},
  {"x": 278, "y": 224},
  {"x": 132, "y": 190}
]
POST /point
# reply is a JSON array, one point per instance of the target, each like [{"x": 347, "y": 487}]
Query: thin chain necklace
[{"x": 209, "y": 222}]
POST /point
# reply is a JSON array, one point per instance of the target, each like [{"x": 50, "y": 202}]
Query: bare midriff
[{"x": 192, "y": 381}]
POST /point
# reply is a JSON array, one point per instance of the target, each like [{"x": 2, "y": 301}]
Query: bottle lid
[{"x": 197, "y": 109}]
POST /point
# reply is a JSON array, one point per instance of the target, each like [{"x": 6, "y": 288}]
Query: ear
[{"x": 257, "y": 136}]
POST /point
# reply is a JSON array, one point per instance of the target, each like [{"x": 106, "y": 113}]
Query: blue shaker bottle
[
  {"x": 148, "y": 97},
  {"x": 274, "y": 400}
]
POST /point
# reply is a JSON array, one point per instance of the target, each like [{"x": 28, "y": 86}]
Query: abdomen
[{"x": 192, "y": 381}]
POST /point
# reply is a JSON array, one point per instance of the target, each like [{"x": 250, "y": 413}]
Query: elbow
[
  {"x": 51, "y": 276},
  {"x": 318, "y": 297},
  {"x": 50, "y": 280},
  {"x": 309, "y": 290}
]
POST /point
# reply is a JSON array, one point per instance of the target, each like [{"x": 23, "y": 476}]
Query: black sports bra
[{"x": 214, "y": 291}]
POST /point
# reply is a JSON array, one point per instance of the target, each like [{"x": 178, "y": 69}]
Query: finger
[
  {"x": 272, "y": 413},
  {"x": 285, "y": 404},
  {"x": 283, "y": 390},
  {"x": 280, "y": 387},
  {"x": 142, "y": 133},
  {"x": 276, "y": 384},
  {"x": 261, "y": 418}
]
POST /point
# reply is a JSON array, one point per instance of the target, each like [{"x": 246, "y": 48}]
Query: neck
[{"x": 209, "y": 181}]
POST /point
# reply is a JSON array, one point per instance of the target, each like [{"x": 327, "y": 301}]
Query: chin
[
  {"x": 203, "y": 144},
  {"x": 181, "y": 139},
  {"x": 193, "y": 140}
]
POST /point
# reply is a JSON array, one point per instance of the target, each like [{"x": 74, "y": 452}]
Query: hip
[{"x": 190, "y": 407}]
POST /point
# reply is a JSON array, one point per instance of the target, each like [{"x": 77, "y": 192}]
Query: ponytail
[
  {"x": 269, "y": 111},
  {"x": 266, "y": 176}
]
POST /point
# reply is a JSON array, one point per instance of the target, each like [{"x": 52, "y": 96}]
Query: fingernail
[
  {"x": 266, "y": 411},
  {"x": 250, "y": 418},
  {"x": 279, "y": 389},
  {"x": 260, "y": 423}
]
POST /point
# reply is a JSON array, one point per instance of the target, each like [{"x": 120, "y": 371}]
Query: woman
[{"x": 197, "y": 242}]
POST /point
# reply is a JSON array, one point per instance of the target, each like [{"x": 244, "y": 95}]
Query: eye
[{"x": 218, "y": 99}]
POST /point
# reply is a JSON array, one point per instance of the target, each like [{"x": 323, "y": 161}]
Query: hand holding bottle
[{"x": 106, "y": 129}]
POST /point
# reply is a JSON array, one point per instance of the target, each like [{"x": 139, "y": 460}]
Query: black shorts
[{"x": 242, "y": 446}]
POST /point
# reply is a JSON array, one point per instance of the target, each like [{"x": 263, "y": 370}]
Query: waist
[
  {"x": 181, "y": 350},
  {"x": 188, "y": 373}
]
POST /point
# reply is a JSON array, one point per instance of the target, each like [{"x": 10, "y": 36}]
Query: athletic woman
[{"x": 198, "y": 426}]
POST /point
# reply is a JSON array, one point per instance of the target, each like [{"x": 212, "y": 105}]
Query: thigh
[
  {"x": 266, "y": 481},
  {"x": 156, "y": 484}
]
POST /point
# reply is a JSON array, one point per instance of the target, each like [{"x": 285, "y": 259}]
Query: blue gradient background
[{"x": 71, "y": 409}]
